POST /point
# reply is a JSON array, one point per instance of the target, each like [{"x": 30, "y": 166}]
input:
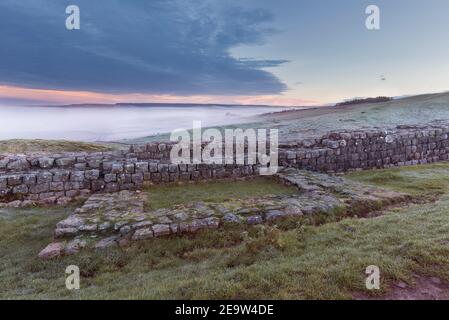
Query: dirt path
[{"x": 423, "y": 288}]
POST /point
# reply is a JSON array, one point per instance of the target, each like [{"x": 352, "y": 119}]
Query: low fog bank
[{"x": 90, "y": 123}]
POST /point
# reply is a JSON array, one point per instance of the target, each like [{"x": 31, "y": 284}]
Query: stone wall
[
  {"x": 357, "y": 150},
  {"x": 61, "y": 177}
]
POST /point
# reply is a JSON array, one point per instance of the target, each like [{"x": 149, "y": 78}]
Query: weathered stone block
[
  {"x": 53, "y": 250},
  {"x": 107, "y": 166},
  {"x": 14, "y": 180},
  {"x": 161, "y": 230},
  {"x": 80, "y": 166},
  {"x": 21, "y": 189},
  {"x": 142, "y": 167},
  {"x": 46, "y": 162},
  {"x": 212, "y": 222},
  {"x": 254, "y": 219},
  {"x": 61, "y": 175},
  {"x": 29, "y": 178},
  {"x": 112, "y": 187},
  {"x": 92, "y": 174},
  {"x": 72, "y": 186},
  {"x": 77, "y": 176},
  {"x": 72, "y": 193},
  {"x": 153, "y": 167},
  {"x": 143, "y": 234},
  {"x": 117, "y": 168},
  {"x": 4, "y": 162},
  {"x": 57, "y": 186},
  {"x": 66, "y": 162},
  {"x": 94, "y": 163},
  {"x": 97, "y": 185},
  {"x": 3, "y": 182},
  {"x": 130, "y": 168},
  {"x": 156, "y": 177},
  {"x": 47, "y": 195},
  {"x": 44, "y": 177},
  {"x": 109, "y": 177},
  {"x": 18, "y": 165},
  {"x": 137, "y": 178}
]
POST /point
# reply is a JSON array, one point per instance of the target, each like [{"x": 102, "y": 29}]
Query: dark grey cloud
[{"x": 146, "y": 46}]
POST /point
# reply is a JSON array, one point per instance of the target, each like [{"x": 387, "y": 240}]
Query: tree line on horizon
[{"x": 365, "y": 100}]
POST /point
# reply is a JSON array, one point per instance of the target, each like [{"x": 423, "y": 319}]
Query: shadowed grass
[{"x": 170, "y": 195}]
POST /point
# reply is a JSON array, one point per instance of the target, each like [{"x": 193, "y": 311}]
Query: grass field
[
  {"x": 22, "y": 146},
  {"x": 290, "y": 261},
  {"x": 169, "y": 195}
]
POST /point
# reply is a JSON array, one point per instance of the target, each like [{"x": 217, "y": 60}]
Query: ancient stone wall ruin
[
  {"x": 367, "y": 149},
  {"x": 58, "y": 178}
]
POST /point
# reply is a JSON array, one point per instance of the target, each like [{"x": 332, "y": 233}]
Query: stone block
[
  {"x": 18, "y": 165},
  {"x": 20, "y": 189},
  {"x": 46, "y": 162},
  {"x": 142, "y": 167},
  {"x": 66, "y": 162},
  {"x": 92, "y": 174},
  {"x": 57, "y": 186},
  {"x": 14, "y": 180}
]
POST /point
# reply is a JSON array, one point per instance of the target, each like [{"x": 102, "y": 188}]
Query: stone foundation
[{"x": 121, "y": 218}]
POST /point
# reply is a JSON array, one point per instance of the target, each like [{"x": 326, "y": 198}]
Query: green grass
[
  {"x": 261, "y": 262},
  {"x": 432, "y": 179},
  {"x": 37, "y": 145},
  {"x": 171, "y": 195}
]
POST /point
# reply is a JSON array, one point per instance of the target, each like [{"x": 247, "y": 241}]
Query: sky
[{"x": 290, "y": 52}]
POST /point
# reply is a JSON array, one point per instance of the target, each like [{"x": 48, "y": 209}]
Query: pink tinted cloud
[{"x": 75, "y": 97}]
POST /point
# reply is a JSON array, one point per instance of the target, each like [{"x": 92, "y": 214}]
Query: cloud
[
  {"x": 154, "y": 47},
  {"x": 10, "y": 95}
]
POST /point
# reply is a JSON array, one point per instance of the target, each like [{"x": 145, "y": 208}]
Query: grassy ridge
[{"x": 37, "y": 145}]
